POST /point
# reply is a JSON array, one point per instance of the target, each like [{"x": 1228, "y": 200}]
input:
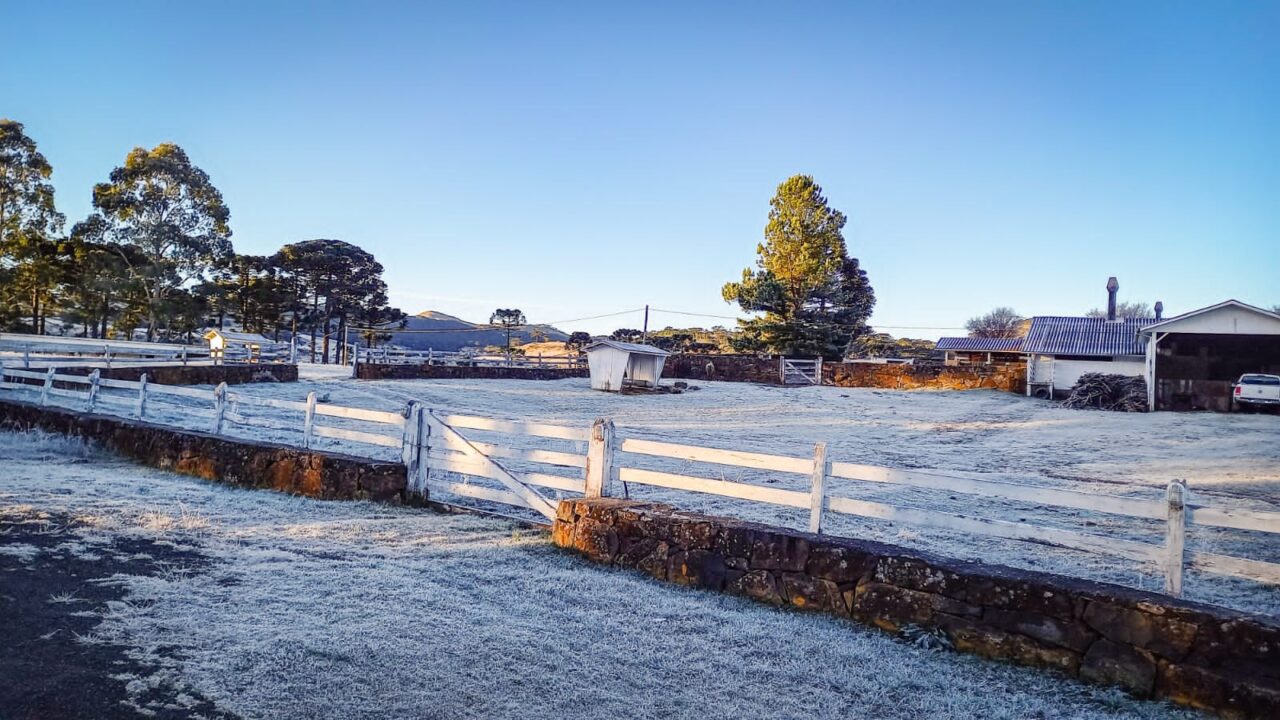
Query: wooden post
[
  {"x": 416, "y": 449},
  {"x": 309, "y": 420},
  {"x": 818, "y": 488},
  {"x": 93, "y": 389},
  {"x": 600, "y": 450},
  {"x": 293, "y": 351},
  {"x": 219, "y": 407},
  {"x": 1175, "y": 537},
  {"x": 142, "y": 396},
  {"x": 106, "y": 354},
  {"x": 184, "y": 356},
  {"x": 48, "y": 385},
  {"x": 26, "y": 357}
]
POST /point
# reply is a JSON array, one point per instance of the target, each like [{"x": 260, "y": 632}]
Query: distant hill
[{"x": 449, "y": 333}]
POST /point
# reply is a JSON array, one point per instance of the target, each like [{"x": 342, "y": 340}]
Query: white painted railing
[
  {"x": 394, "y": 356},
  {"x": 591, "y": 461}
]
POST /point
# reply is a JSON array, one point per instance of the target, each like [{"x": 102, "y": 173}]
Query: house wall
[{"x": 1067, "y": 372}]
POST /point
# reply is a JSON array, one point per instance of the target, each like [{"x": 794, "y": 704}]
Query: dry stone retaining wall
[
  {"x": 1150, "y": 644},
  {"x": 236, "y": 462},
  {"x": 749, "y": 368}
]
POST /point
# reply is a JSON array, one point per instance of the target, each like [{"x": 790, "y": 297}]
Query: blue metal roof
[
  {"x": 980, "y": 344},
  {"x": 1090, "y": 336}
]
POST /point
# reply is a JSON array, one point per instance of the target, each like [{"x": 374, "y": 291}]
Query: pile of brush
[{"x": 1122, "y": 393}]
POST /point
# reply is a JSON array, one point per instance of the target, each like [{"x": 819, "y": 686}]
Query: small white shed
[
  {"x": 224, "y": 344},
  {"x": 614, "y": 364}
]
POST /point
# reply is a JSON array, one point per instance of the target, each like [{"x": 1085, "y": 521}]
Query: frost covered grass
[
  {"x": 350, "y": 610},
  {"x": 1227, "y": 460}
]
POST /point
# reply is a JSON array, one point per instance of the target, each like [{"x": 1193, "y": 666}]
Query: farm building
[
  {"x": 1191, "y": 360},
  {"x": 224, "y": 344},
  {"x": 1060, "y": 349},
  {"x": 614, "y": 364},
  {"x": 960, "y": 351}
]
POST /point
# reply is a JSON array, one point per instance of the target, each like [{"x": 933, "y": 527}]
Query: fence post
[
  {"x": 309, "y": 420},
  {"x": 416, "y": 449},
  {"x": 219, "y": 407},
  {"x": 93, "y": 389},
  {"x": 293, "y": 351},
  {"x": 1175, "y": 537},
  {"x": 184, "y": 356},
  {"x": 142, "y": 396},
  {"x": 106, "y": 354},
  {"x": 48, "y": 385},
  {"x": 818, "y": 488},
  {"x": 26, "y": 357},
  {"x": 600, "y": 451}
]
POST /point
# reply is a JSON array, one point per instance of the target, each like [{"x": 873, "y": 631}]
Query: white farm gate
[{"x": 800, "y": 371}]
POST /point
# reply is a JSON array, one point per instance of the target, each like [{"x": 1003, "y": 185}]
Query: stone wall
[
  {"x": 749, "y": 368},
  {"x": 373, "y": 371},
  {"x": 195, "y": 374},
  {"x": 729, "y": 368},
  {"x": 935, "y": 377},
  {"x": 1150, "y": 644},
  {"x": 236, "y": 462}
]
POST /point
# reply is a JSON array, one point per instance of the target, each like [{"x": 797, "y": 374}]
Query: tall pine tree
[{"x": 815, "y": 299}]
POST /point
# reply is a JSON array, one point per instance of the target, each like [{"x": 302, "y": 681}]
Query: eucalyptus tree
[
  {"x": 166, "y": 208},
  {"x": 29, "y": 223}
]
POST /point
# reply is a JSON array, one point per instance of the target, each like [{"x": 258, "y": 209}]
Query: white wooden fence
[
  {"x": 436, "y": 451},
  {"x": 395, "y": 356},
  {"x": 53, "y": 351}
]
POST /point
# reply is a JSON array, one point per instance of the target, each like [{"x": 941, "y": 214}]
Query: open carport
[{"x": 1192, "y": 359}]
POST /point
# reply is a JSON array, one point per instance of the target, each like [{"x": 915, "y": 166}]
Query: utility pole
[{"x": 645, "y": 333}]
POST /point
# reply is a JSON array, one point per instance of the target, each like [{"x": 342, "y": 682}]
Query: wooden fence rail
[{"x": 434, "y": 451}]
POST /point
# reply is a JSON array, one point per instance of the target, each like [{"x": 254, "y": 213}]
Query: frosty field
[
  {"x": 1228, "y": 460},
  {"x": 311, "y": 609}
]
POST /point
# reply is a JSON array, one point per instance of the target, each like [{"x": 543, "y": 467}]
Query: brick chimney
[
  {"x": 1159, "y": 310},
  {"x": 1113, "y": 286}
]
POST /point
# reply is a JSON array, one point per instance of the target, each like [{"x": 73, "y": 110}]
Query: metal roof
[
  {"x": 628, "y": 347},
  {"x": 980, "y": 344},
  {"x": 1090, "y": 336}
]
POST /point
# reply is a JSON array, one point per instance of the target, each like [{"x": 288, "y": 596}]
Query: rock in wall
[
  {"x": 242, "y": 463},
  {"x": 1149, "y": 644}
]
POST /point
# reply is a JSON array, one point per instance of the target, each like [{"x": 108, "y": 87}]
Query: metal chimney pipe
[
  {"x": 1113, "y": 286},
  {"x": 1159, "y": 310}
]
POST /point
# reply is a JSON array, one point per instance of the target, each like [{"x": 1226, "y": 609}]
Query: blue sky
[{"x": 575, "y": 159}]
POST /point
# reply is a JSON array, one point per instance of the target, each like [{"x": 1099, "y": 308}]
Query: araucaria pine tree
[{"x": 815, "y": 299}]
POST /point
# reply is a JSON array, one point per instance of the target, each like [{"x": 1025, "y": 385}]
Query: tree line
[{"x": 155, "y": 255}]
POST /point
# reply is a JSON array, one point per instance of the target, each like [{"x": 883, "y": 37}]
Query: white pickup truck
[{"x": 1253, "y": 390}]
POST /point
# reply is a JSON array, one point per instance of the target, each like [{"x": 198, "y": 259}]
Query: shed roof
[
  {"x": 1090, "y": 336},
  {"x": 980, "y": 344},
  {"x": 627, "y": 347},
  {"x": 1172, "y": 323}
]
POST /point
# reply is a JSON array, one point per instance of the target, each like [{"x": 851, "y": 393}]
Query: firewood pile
[{"x": 1100, "y": 391}]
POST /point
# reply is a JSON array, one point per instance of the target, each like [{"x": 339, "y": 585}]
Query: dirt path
[{"x": 54, "y": 591}]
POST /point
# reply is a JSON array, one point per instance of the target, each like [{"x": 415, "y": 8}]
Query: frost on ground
[
  {"x": 1227, "y": 460},
  {"x": 311, "y": 609}
]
